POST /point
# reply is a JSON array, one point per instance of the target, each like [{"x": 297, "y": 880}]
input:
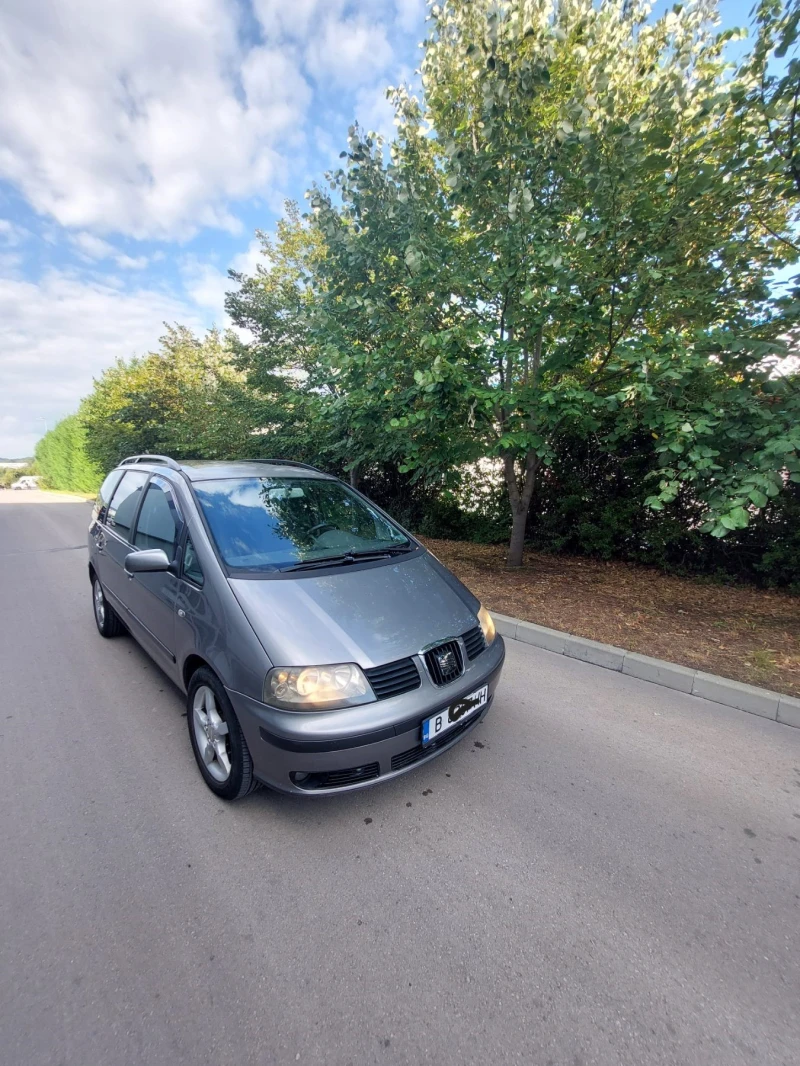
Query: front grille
[
  {"x": 445, "y": 662},
  {"x": 336, "y": 778},
  {"x": 406, "y": 758},
  {"x": 474, "y": 642},
  {"x": 393, "y": 678}
]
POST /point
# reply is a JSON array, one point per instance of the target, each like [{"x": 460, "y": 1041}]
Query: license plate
[{"x": 437, "y": 724}]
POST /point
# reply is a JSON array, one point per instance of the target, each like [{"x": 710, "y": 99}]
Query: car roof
[
  {"x": 216, "y": 469},
  {"x": 211, "y": 469}
]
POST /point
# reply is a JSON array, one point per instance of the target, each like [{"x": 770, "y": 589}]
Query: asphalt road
[{"x": 605, "y": 872}]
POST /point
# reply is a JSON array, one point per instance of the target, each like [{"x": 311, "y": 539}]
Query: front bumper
[{"x": 349, "y": 749}]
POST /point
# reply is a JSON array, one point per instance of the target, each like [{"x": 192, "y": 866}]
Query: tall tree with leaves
[
  {"x": 186, "y": 399},
  {"x": 562, "y": 243},
  {"x": 278, "y": 353}
]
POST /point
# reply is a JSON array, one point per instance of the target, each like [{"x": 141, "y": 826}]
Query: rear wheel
[
  {"x": 217, "y": 739},
  {"x": 107, "y": 619}
]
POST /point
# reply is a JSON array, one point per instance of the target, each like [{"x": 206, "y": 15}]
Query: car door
[
  {"x": 97, "y": 532},
  {"x": 117, "y": 535},
  {"x": 151, "y": 596}
]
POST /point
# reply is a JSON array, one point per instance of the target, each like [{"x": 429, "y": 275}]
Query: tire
[
  {"x": 224, "y": 761},
  {"x": 106, "y": 618}
]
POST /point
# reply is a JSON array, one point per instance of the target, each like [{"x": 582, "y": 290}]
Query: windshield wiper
[{"x": 347, "y": 558}]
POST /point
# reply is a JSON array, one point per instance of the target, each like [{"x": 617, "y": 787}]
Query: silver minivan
[{"x": 321, "y": 647}]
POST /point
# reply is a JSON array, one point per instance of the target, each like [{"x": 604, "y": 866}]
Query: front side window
[
  {"x": 125, "y": 501},
  {"x": 105, "y": 493},
  {"x": 158, "y": 523},
  {"x": 268, "y": 524}
]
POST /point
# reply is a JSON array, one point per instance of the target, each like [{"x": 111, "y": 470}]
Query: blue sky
[{"x": 141, "y": 144}]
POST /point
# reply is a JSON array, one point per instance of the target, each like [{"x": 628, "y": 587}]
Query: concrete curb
[{"x": 761, "y": 701}]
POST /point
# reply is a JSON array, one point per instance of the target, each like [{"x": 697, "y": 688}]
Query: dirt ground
[{"x": 743, "y": 633}]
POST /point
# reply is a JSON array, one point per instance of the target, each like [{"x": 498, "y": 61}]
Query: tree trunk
[
  {"x": 354, "y": 476},
  {"x": 518, "y": 522},
  {"x": 519, "y": 496}
]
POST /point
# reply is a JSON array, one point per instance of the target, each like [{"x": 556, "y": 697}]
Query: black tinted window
[
  {"x": 125, "y": 501},
  {"x": 157, "y": 525},
  {"x": 269, "y": 523},
  {"x": 191, "y": 564}
]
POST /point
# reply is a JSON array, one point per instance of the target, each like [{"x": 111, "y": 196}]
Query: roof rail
[
  {"x": 288, "y": 462},
  {"x": 164, "y": 459}
]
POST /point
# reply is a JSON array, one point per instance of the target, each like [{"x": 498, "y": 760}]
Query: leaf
[
  {"x": 758, "y": 498},
  {"x": 737, "y": 518},
  {"x": 658, "y": 139}
]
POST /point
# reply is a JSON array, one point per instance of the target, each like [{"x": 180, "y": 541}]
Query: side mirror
[{"x": 146, "y": 562}]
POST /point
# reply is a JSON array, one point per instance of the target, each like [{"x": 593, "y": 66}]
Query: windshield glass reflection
[{"x": 267, "y": 524}]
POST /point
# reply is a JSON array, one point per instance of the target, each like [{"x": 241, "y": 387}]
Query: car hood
[{"x": 369, "y": 615}]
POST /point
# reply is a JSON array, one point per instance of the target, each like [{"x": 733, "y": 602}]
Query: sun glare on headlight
[
  {"x": 317, "y": 687},
  {"x": 487, "y": 624}
]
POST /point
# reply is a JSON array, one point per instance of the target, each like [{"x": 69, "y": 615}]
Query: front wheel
[
  {"x": 108, "y": 623},
  {"x": 217, "y": 739}
]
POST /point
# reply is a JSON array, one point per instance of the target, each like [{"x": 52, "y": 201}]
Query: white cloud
[
  {"x": 131, "y": 262},
  {"x": 55, "y": 336},
  {"x": 11, "y": 234},
  {"x": 206, "y": 285},
  {"x": 247, "y": 261},
  {"x": 374, "y": 112},
  {"x": 93, "y": 248},
  {"x": 348, "y": 51},
  {"x": 296, "y": 18},
  {"x": 141, "y": 118},
  {"x": 411, "y": 14}
]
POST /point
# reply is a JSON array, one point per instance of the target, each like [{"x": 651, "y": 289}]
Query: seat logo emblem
[{"x": 446, "y": 661}]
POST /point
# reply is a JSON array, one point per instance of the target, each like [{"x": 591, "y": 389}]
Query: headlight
[
  {"x": 487, "y": 625},
  {"x": 316, "y": 688}
]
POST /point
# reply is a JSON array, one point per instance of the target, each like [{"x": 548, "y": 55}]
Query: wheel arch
[{"x": 191, "y": 664}]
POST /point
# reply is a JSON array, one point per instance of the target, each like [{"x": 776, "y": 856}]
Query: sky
[{"x": 142, "y": 143}]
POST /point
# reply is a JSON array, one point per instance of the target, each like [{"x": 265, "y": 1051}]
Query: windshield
[{"x": 267, "y": 524}]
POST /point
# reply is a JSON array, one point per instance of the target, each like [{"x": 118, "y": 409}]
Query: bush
[{"x": 62, "y": 461}]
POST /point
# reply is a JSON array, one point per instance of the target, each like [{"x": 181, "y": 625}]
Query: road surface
[{"x": 605, "y": 872}]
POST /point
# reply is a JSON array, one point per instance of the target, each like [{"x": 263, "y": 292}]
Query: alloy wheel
[
  {"x": 211, "y": 734},
  {"x": 99, "y": 604}
]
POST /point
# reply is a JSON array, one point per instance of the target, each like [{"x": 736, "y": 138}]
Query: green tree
[
  {"x": 767, "y": 93},
  {"x": 62, "y": 459},
  {"x": 186, "y": 400},
  {"x": 563, "y": 243}
]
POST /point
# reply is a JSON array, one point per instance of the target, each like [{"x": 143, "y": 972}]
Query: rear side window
[
  {"x": 124, "y": 502},
  {"x": 158, "y": 524},
  {"x": 191, "y": 564},
  {"x": 105, "y": 494}
]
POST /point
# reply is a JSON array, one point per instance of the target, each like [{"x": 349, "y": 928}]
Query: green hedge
[{"x": 61, "y": 459}]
